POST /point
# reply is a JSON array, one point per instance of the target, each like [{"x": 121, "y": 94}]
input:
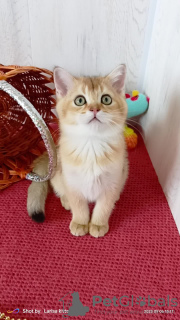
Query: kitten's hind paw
[
  {"x": 78, "y": 229},
  {"x": 38, "y": 217},
  {"x": 98, "y": 231}
]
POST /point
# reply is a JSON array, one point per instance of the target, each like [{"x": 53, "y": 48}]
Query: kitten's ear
[
  {"x": 63, "y": 80},
  {"x": 117, "y": 78}
]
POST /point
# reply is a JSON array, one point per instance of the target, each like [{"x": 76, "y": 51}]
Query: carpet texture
[{"x": 139, "y": 257}]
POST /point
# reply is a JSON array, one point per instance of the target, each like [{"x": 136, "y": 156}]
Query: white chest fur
[{"x": 92, "y": 178}]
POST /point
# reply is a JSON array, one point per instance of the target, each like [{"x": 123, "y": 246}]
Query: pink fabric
[{"x": 40, "y": 263}]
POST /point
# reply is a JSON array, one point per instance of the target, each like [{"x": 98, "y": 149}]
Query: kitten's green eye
[
  {"x": 80, "y": 101},
  {"x": 106, "y": 99}
]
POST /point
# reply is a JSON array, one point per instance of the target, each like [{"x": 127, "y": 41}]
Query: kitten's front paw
[
  {"x": 98, "y": 231},
  {"x": 78, "y": 229}
]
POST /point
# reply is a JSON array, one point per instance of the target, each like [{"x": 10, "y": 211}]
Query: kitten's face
[{"x": 94, "y": 103}]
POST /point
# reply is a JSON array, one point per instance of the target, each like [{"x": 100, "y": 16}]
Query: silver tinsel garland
[{"x": 40, "y": 125}]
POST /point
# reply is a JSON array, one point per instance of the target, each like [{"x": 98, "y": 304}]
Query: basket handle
[{"x": 40, "y": 125}]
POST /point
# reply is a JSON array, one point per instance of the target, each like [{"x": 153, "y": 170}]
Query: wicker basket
[{"x": 20, "y": 141}]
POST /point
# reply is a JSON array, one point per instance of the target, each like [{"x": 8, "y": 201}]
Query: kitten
[{"x": 92, "y": 160}]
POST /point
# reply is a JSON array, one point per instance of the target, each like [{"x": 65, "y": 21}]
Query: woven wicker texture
[
  {"x": 139, "y": 256},
  {"x": 20, "y": 141}
]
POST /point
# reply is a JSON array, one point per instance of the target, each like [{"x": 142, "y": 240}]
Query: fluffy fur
[{"x": 92, "y": 162}]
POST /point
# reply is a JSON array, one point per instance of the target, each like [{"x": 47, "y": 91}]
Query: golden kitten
[{"x": 92, "y": 160}]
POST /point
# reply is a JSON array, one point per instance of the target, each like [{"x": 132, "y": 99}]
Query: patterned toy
[{"x": 137, "y": 104}]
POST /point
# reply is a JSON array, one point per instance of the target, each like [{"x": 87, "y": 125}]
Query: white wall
[
  {"x": 84, "y": 36},
  {"x": 162, "y": 83}
]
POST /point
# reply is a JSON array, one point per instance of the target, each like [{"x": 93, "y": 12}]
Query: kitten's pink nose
[{"x": 94, "y": 110}]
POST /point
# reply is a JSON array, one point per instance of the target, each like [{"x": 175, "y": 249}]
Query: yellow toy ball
[{"x": 131, "y": 137}]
